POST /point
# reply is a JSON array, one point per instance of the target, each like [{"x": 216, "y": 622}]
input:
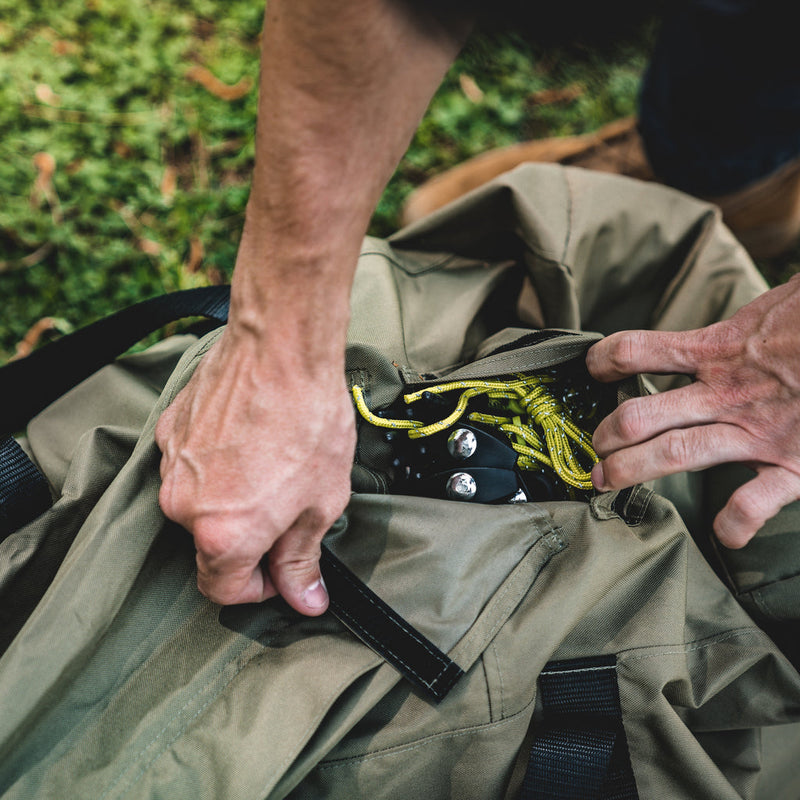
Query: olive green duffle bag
[{"x": 497, "y": 630}]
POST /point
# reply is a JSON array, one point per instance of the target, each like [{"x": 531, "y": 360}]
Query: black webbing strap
[
  {"x": 386, "y": 632},
  {"x": 24, "y": 492},
  {"x": 581, "y": 752},
  {"x": 29, "y": 385}
]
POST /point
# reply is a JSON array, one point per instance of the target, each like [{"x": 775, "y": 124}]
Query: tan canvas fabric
[{"x": 120, "y": 680}]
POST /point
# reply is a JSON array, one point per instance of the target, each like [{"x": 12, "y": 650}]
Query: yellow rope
[
  {"x": 380, "y": 422},
  {"x": 535, "y": 422}
]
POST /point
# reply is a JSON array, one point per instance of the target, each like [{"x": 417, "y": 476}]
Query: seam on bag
[
  {"x": 191, "y": 367},
  {"x": 764, "y": 604},
  {"x": 312, "y": 725},
  {"x": 367, "y": 635},
  {"x": 689, "y": 647},
  {"x": 500, "y": 598},
  {"x": 502, "y": 359},
  {"x": 761, "y": 604},
  {"x": 499, "y": 366},
  {"x": 194, "y": 696},
  {"x": 402, "y": 315},
  {"x": 631, "y": 515},
  {"x": 775, "y": 582},
  {"x": 364, "y": 379},
  {"x": 377, "y": 484},
  {"x": 551, "y": 541},
  {"x": 436, "y": 266},
  {"x": 569, "y": 215},
  {"x": 546, "y": 671},
  {"x": 603, "y": 510},
  {"x": 493, "y": 645},
  {"x": 687, "y": 267},
  {"x": 488, "y": 688},
  {"x": 201, "y": 690},
  {"x": 310, "y": 729},
  {"x": 417, "y": 743}
]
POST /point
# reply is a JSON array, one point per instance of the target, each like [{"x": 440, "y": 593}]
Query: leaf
[
  {"x": 471, "y": 90},
  {"x": 169, "y": 183},
  {"x": 62, "y": 47},
  {"x": 196, "y": 253},
  {"x": 36, "y": 331},
  {"x": 149, "y": 246},
  {"x": 213, "y": 84},
  {"x": 565, "y": 94},
  {"x": 45, "y": 94},
  {"x": 122, "y": 149},
  {"x": 43, "y": 185}
]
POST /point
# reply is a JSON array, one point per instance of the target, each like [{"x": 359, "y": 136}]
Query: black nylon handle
[{"x": 30, "y": 384}]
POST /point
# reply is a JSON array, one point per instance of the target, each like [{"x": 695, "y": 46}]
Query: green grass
[{"x": 153, "y": 170}]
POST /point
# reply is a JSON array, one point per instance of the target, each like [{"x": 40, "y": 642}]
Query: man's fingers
[
  {"x": 290, "y": 568},
  {"x": 752, "y": 504},
  {"x": 685, "y": 450},
  {"x": 246, "y": 583},
  {"x": 294, "y": 565},
  {"x": 230, "y": 566},
  {"x": 643, "y": 418},
  {"x": 630, "y": 352}
]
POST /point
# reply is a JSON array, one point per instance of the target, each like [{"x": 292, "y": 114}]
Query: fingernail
[
  {"x": 598, "y": 478},
  {"x": 316, "y": 596}
]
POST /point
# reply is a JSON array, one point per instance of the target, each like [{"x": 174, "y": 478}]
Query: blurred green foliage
[
  {"x": 152, "y": 169},
  {"x": 102, "y": 87}
]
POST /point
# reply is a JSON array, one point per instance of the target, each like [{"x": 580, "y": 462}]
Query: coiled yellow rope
[{"x": 536, "y": 423}]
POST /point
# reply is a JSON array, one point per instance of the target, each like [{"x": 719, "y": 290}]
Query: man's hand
[
  {"x": 256, "y": 459},
  {"x": 743, "y": 406}
]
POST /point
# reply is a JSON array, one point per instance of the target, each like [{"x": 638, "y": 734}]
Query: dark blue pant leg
[{"x": 720, "y": 102}]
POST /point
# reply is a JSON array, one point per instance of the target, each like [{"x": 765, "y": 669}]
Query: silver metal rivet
[
  {"x": 461, "y": 443},
  {"x": 461, "y": 486}
]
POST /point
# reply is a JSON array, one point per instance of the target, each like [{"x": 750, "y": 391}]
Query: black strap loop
[
  {"x": 24, "y": 491},
  {"x": 581, "y": 752},
  {"x": 381, "y": 628}
]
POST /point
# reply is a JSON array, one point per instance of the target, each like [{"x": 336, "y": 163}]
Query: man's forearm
[{"x": 343, "y": 86}]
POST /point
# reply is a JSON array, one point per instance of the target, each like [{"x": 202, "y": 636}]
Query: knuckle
[
  {"x": 630, "y": 422},
  {"x": 298, "y": 546},
  {"x": 210, "y": 542},
  {"x": 622, "y": 350},
  {"x": 742, "y": 508},
  {"x": 727, "y": 534},
  {"x": 602, "y": 438},
  {"x": 220, "y": 595},
  {"x": 675, "y": 449},
  {"x": 615, "y": 474},
  {"x": 167, "y": 500},
  {"x": 339, "y": 503},
  {"x": 163, "y": 428},
  {"x": 298, "y": 570}
]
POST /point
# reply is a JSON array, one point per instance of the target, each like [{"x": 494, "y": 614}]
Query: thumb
[{"x": 294, "y": 568}]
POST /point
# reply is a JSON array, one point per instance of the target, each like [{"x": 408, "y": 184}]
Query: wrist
[{"x": 288, "y": 333}]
